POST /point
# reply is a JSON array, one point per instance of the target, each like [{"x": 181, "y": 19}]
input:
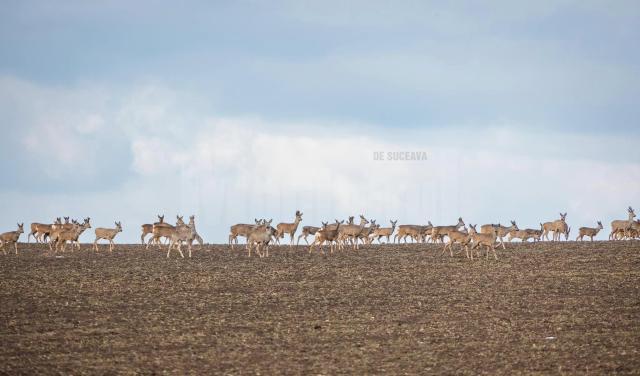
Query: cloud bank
[{"x": 128, "y": 155}]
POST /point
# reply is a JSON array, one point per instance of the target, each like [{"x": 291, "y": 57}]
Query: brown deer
[
  {"x": 11, "y": 237},
  {"x": 487, "y": 240},
  {"x": 326, "y": 234},
  {"x": 306, "y": 231},
  {"x": 501, "y": 231},
  {"x": 350, "y": 232},
  {"x": 289, "y": 228},
  {"x": 438, "y": 231},
  {"x": 622, "y": 225},
  {"x": 107, "y": 234},
  {"x": 461, "y": 237},
  {"x": 384, "y": 231},
  {"x": 589, "y": 231},
  {"x": 241, "y": 229}
]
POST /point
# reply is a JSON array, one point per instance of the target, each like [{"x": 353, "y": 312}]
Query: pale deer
[
  {"x": 289, "y": 228},
  {"x": 384, "y": 231},
  {"x": 364, "y": 234},
  {"x": 622, "y": 225},
  {"x": 260, "y": 236},
  {"x": 196, "y": 236},
  {"x": 182, "y": 234},
  {"x": 501, "y": 231},
  {"x": 10, "y": 237},
  {"x": 107, "y": 234},
  {"x": 589, "y": 231}
]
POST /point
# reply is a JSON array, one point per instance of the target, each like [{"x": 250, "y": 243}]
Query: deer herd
[{"x": 338, "y": 235}]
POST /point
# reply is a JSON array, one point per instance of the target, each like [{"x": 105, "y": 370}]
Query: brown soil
[{"x": 542, "y": 308}]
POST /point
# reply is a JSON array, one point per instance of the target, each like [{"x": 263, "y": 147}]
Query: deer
[
  {"x": 196, "y": 236},
  {"x": 526, "y": 234},
  {"x": 289, "y": 228},
  {"x": 364, "y": 234},
  {"x": 622, "y": 225},
  {"x": 182, "y": 233},
  {"x": 384, "y": 231},
  {"x": 148, "y": 228},
  {"x": 326, "y": 234},
  {"x": 163, "y": 230},
  {"x": 589, "y": 231},
  {"x": 38, "y": 229},
  {"x": 554, "y": 226},
  {"x": 107, "y": 234},
  {"x": 61, "y": 236},
  {"x": 241, "y": 229},
  {"x": 438, "y": 231},
  {"x": 462, "y": 237},
  {"x": 478, "y": 239},
  {"x": 351, "y": 232},
  {"x": 260, "y": 236},
  {"x": 415, "y": 232},
  {"x": 501, "y": 231},
  {"x": 11, "y": 237},
  {"x": 306, "y": 231}
]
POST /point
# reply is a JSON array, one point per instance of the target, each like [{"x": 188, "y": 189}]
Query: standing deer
[
  {"x": 60, "y": 237},
  {"x": 182, "y": 234},
  {"x": 589, "y": 231},
  {"x": 501, "y": 231},
  {"x": 148, "y": 228},
  {"x": 107, "y": 234},
  {"x": 289, "y": 228},
  {"x": 622, "y": 225},
  {"x": 11, "y": 237},
  {"x": 260, "y": 236},
  {"x": 241, "y": 229},
  {"x": 384, "y": 231},
  {"x": 558, "y": 227},
  {"x": 350, "y": 232},
  {"x": 326, "y": 234}
]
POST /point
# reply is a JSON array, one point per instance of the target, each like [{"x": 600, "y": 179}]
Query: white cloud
[{"x": 231, "y": 169}]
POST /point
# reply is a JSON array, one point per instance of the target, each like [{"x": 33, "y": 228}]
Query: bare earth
[{"x": 545, "y": 308}]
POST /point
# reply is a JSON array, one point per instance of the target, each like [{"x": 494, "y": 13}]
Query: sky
[{"x": 235, "y": 110}]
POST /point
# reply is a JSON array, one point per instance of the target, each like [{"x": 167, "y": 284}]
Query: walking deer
[
  {"x": 501, "y": 231},
  {"x": 107, "y": 234},
  {"x": 438, "y": 231},
  {"x": 487, "y": 240},
  {"x": 589, "y": 231},
  {"x": 350, "y": 232}
]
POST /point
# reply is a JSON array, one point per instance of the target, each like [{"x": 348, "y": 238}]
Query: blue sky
[{"x": 236, "y": 110}]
